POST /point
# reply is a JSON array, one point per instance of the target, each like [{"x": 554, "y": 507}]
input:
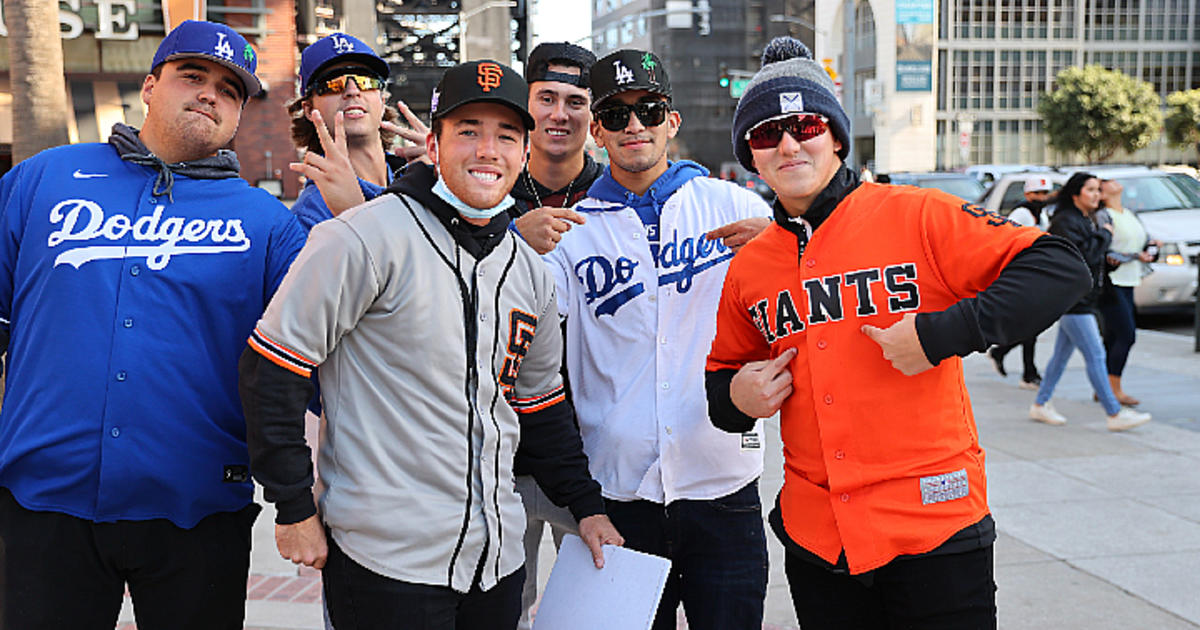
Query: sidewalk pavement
[{"x": 1096, "y": 530}]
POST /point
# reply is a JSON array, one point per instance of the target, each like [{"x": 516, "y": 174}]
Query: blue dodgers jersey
[{"x": 127, "y": 314}]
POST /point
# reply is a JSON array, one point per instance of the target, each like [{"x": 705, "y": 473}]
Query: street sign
[{"x": 737, "y": 87}]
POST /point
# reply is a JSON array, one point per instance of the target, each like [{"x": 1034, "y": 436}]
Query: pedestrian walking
[
  {"x": 1073, "y": 220},
  {"x": 849, "y": 316},
  {"x": 1128, "y": 261},
  {"x": 638, "y": 285},
  {"x": 1037, "y": 191},
  {"x": 420, "y": 525},
  {"x": 133, "y": 270}
]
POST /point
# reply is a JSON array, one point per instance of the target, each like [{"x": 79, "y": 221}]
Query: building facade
[
  {"x": 107, "y": 49},
  {"x": 996, "y": 58},
  {"x": 988, "y": 62}
]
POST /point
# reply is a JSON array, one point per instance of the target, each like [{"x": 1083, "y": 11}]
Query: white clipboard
[{"x": 622, "y": 596}]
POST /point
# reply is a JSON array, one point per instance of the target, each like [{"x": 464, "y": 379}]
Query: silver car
[{"x": 1168, "y": 205}]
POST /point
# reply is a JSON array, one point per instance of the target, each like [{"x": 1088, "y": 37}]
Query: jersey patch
[
  {"x": 947, "y": 487},
  {"x": 521, "y": 328}
]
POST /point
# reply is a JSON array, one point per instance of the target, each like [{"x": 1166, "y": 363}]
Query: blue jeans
[
  {"x": 718, "y": 553},
  {"x": 1079, "y": 331}
]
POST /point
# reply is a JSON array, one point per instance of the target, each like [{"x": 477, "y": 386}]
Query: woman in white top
[{"x": 1128, "y": 256}]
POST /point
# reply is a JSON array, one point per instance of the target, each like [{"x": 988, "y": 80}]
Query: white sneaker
[
  {"x": 1127, "y": 418},
  {"x": 1047, "y": 414}
]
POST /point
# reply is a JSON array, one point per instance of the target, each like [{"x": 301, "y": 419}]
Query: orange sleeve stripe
[
  {"x": 550, "y": 402},
  {"x": 273, "y": 358},
  {"x": 281, "y": 347}
]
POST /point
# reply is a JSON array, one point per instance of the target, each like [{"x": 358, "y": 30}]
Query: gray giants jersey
[{"x": 426, "y": 355}]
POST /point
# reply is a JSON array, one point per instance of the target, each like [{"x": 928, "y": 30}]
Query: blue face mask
[{"x": 445, "y": 194}]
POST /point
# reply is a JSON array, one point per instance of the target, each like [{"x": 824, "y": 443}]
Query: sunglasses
[
  {"x": 337, "y": 85},
  {"x": 616, "y": 117},
  {"x": 769, "y": 133}
]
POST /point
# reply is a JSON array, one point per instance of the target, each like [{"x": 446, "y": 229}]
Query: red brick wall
[{"x": 265, "y": 126}]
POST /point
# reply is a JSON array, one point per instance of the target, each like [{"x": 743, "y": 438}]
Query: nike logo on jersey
[
  {"x": 84, "y": 220},
  {"x": 679, "y": 262},
  {"x": 829, "y": 297},
  {"x": 78, "y": 174}
]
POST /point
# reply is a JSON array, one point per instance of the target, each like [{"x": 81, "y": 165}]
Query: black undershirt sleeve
[
  {"x": 1032, "y": 291},
  {"x": 721, "y": 411},
  {"x": 274, "y": 400},
  {"x": 552, "y": 451}
]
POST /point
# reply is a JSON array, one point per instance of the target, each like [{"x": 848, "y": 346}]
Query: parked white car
[{"x": 1168, "y": 205}]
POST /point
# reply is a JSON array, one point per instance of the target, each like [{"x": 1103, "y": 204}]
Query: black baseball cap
[
  {"x": 559, "y": 53},
  {"x": 483, "y": 81},
  {"x": 627, "y": 70}
]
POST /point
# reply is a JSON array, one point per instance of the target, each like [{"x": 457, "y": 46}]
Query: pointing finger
[
  {"x": 728, "y": 229},
  {"x": 568, "y": 214},
  {"x": 874, "y": 332},
  {"x": 780, "y": 362}
]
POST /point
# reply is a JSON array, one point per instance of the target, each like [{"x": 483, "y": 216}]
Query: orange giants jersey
[{"x": 876, "y": 463}]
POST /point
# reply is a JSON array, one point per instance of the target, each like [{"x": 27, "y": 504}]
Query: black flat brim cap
[
  {"x": 483, "y": 81},
  {"x": 628, "y": 70}
]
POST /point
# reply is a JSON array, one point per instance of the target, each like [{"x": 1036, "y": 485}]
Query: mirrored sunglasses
[
  {"x": 337, "y": 85},
  {"x": 616, "y": 117},
  {"x": 769, "y": 133}
]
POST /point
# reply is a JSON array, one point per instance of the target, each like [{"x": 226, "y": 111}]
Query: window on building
[
  {"x": 981, "y": 143},
  {"x": 626, "y": 31},
  {"x": 1166, "y": 20},
  {"x": 976, "y": 19},
  {"x": 1008, "y": 80},
  {"x": 1112, "y": 20},
  {"x": 1033, "y": 78},
  {"x": 864, "y": 26}
]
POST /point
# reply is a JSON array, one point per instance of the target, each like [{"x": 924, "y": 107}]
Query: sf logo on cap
[{"x": 489, "y": 75}]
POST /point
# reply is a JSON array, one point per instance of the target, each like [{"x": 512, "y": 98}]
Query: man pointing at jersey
[
  {"x": 849, "y": 315},
  {"x": 638, "y": 283},
  {"x": 436, "y": 333}
]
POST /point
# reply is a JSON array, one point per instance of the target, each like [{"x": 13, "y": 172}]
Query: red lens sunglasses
[{"x": 802, "y": 126}]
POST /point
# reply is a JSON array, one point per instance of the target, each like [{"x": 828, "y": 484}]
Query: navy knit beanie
[{"x": 789, "y": 81}]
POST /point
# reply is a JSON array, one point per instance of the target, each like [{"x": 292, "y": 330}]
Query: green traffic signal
[{"x": 723, "y": 82}]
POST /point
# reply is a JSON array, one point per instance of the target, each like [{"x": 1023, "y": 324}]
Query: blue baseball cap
[
  {"x": 215, "y": 42},
  {"x": 335, "y": 48}
]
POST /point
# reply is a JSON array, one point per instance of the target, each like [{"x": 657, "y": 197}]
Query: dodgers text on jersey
[{"x": 678, "y": 261}]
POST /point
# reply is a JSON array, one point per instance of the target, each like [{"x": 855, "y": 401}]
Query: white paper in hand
[{"x": 622, "y": 596}]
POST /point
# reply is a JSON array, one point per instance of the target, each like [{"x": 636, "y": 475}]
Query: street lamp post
[{"x": 465, "y": 17}]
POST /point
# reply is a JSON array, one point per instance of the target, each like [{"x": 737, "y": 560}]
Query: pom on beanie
[
  {"x": 789, "y": 81},
  {"x": 784, "y": 48}
]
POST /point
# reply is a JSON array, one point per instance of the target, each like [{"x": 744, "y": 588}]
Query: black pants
[
  {"x": 360, "y": 599},
  {"x": 943, "y": 592},
  {"x": 1028, "y": 347},
  {"x": 60, "y": 571},
  {"x": 1120, "y": 327},
  {"x": 718, "y": 553}
]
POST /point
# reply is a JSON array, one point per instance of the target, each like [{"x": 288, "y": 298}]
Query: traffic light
[{"x": 723, "y": 78}]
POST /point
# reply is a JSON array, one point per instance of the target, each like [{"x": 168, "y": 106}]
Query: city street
[{"x": 1096, "y": 530}]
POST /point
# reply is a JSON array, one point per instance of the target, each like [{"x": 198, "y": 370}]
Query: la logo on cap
[{"x": 488, "y": 76}]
